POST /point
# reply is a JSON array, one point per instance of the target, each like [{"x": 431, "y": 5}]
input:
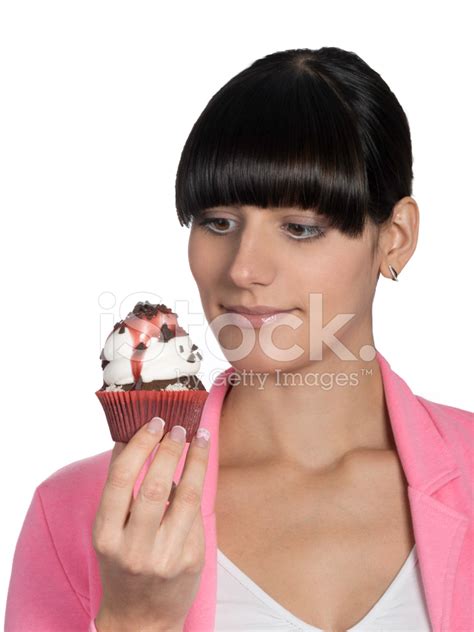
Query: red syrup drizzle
[{"x": 142, "y": 330}]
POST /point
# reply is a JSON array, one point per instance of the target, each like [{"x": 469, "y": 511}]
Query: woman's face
[{"x": 253, "y": 256}]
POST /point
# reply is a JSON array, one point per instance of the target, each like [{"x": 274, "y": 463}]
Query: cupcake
[{"x": 150, "y": 368}]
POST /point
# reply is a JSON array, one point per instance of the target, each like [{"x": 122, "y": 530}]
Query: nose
[{"x": 252, "y": 262}]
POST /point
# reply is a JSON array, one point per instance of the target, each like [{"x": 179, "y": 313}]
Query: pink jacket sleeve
[{"x": 40, "y": 595}]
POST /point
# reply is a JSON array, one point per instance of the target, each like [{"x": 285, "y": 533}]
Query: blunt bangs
[{"x": 314, "y": 130}]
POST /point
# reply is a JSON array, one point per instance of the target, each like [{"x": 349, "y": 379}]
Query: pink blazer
[{"x": 55, "y": 583}]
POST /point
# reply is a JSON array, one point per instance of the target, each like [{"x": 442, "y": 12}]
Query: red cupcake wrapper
[{"x": 128, "y": 411}]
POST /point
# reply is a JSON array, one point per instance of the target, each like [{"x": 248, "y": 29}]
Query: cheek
[
  {"x": 352, "y": 288},
  {"x": 194, "y": 258},
  {"x": 204, "y": 266},
  {"x": 341, "y": 276},
  {"x": 200, "y": 259}
]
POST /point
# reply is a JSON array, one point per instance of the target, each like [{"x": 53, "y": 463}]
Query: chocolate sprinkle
[
  {"x": 105, "y": 363},
  {"x": 141, "y": 346},
  {"x": 148, "y": 310},
  {"x": 166, "y": 332},
  {"x": 122, "y": 329}
]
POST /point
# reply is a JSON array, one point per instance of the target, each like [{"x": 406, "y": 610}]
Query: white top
[{"x": 243, "y": 606}]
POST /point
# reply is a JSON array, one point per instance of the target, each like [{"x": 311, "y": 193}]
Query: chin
[{"x": 258, "y": 362}]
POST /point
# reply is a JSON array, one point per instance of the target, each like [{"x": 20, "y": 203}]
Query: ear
[{"x": 398, "y": 238}]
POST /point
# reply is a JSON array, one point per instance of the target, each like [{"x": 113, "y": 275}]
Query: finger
[
  {"x": 150, "y": 503},
  {"x": 170, "y": 497},
  {"x": 123, "y": 472},
  {"x": 182, "y": 512},
  {"x": 117, "y": 449},
  {"x": 195, "y": 535},
  {"x": 192, "y": 553}
]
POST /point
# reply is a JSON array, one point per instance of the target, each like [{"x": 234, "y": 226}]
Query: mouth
[
  {"x": 254, "y": 317},
  {"x": 257, "y": 310}
]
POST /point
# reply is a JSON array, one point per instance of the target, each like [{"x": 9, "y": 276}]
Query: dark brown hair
[{"x": 312, "y": 129}]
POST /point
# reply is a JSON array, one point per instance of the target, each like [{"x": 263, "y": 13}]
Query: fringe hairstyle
[{"x": 310, "y": 129}]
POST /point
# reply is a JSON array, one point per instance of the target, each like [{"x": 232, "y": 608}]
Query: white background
[{"x": 97, "y": 101}]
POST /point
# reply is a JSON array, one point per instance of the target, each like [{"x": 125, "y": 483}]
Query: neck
[{"x": 304, "y": 424}]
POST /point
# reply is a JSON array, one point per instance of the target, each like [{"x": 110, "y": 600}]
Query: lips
[
  {"x": 266, "y": 310},
  {"x": 256, "y": 317}
]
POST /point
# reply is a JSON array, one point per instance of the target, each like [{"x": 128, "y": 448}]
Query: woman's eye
[
  {"x": 220, "y": 222},
  {"x": 314, "y": 232},
  {"x": 218, "y": 225}
]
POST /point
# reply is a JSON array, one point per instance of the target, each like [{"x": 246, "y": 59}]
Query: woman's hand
[{"x": 150, "y": 559}]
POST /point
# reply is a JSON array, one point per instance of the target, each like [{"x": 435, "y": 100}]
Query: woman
[{"x": 338, "y": 499}]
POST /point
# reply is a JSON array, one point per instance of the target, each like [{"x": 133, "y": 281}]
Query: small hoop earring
[{"x": 393, "y": 272}]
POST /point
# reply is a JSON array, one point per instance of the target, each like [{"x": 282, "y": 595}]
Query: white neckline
[{"x": 250, "y": 585}]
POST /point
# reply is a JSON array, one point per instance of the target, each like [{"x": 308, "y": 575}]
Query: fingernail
[
  {"x": 202, "y": 437},
  {"x": 156, "y": 425},
  {"x": 178, "y": 433}
]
